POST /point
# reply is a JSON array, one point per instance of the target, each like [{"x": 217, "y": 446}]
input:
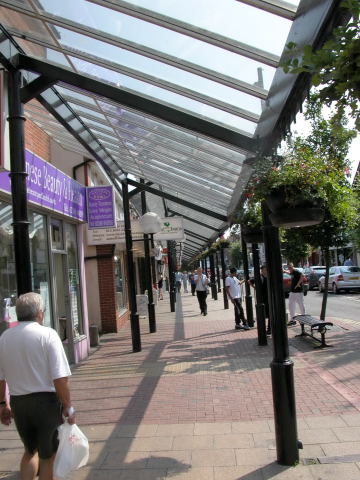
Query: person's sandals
[{"x": 291, "y": 322}]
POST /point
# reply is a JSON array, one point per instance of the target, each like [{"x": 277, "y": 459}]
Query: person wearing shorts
[{"x": 33, "y": 365}]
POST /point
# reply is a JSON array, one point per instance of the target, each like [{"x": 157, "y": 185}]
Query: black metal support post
[
  {"x": 212, "y": 277},
  {"x": 281, "y": 366},
  {"x": 248, "y": 297},
  {"x": 148, "y": 276},
  {"x": 171, "y": 268},
  {"x": 18, "y": 185},
  {"x": 223, "y": 276},
  {"x": 260, "y": 307},
  {"x": 217, "y": 272},
  {"x": 134, "y": 316}
]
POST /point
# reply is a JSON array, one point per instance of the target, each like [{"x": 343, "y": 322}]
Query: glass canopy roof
[{"x": 180, "y": 94}]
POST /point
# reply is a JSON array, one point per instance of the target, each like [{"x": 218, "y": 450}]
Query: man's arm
[
  {"x": 63, "y": 392},
  {"x": 5, "y": 410}
]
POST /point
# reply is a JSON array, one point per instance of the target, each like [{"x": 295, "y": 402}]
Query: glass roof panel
[
  {"x": 233, "y": 19},
  {"x": 173, "y": 43},
  {"x": 46, "y": 53},
  {"x": 158, "y": 70},
  {"x": 175, "y": 133},
  {"x": 17, "y": 20},
  {"x": 173, "y": 99}
]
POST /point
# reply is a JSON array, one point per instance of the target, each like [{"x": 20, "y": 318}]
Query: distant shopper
[
  {"x": 185, "y": 281},
  {"x": 160, "y": 288},
  {"x": 34, "y": 366},
  {"x": 201, "y": 287},
  {"x": 296, "y": 295},
  {"x": 178, "y": 279},
  {"x": 348, "y": 262},
  {"x": 192, "y": 283},
  {"x": 234, "y": 292},
  {"x": 264, "y": 294}
]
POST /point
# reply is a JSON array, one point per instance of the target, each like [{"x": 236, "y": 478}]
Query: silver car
[{"x": 341, "y": 278}]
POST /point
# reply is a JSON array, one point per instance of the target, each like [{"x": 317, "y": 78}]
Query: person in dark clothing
[
  {"x": 264, "y": 294},
  {"x": 192, "y": 283},
  {"x": 160, "y": 288},
  {"x": 296, "y": 292}
]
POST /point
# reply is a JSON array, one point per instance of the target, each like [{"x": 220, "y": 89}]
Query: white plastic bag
[{"x": 73, "y": 451}]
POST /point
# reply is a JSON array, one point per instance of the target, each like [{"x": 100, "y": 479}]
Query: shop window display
[{"x": 39, "y": 264}]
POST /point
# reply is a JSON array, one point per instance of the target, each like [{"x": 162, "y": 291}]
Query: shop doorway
[{"x": 62, "y": 303}]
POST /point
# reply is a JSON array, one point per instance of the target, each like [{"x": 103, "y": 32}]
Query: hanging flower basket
[
  {"x": 297, "y": 217},
  {"x": 252, "y": 234},
  {"x": 290, "y": 208}
]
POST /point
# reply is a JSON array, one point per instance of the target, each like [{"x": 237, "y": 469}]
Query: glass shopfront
[
  {"x": 120, "y": 290},
  {"x": 39, "y": 256},
  {"x": 54, "y": 270}
]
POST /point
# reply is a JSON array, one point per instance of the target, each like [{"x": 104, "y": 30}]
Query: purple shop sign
[
  {"x": 50, "y": 188},
  {"x": 101, "y": 207}
]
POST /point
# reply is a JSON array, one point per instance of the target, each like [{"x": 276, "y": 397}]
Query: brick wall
[
  {"x": 37, "y": 141},
  {"x": 106, "y": 277}
]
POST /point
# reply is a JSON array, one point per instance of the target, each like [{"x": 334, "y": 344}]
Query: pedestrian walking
[
  {"x": 264, "y": 294},
  {"x": 192, "y": 283},
  {"x": 185, "y": 281},
  {"x": 201, "y": 287},
  {"x": 296, "y": 295},
  {"x": 160, "y": 287},
  {"x": 178, "y": 279},
  {"x": 234, "y": 292},
  {"x": 34, "y": 366}
]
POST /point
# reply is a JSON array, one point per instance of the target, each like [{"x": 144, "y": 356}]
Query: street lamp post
[
  {"x": 223, "y": 275},
  {"x": 248, "y": 297},
  {"x": 212, "y": 277},
  {"x": 134, "y": 316},
  {"x": 282, "y": 373},
  {"x": 260, "y": 306},
  {"x": 150, "y": 224}
]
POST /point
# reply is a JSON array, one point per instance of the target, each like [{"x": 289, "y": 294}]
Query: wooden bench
[{"x": 315, "y": 325}]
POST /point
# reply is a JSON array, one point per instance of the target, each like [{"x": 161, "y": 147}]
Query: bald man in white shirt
[{"x": 34, "y": 366}]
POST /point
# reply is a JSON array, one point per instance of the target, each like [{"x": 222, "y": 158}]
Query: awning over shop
[{"x": 180, "y": 94}]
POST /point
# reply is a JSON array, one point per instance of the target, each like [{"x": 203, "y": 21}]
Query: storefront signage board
[
  {"x": 172, "y": 229},
  {"x": 101, "y": 207},
  {"x": 107, "y": 236},
  {"x": 50, "y": 188}
]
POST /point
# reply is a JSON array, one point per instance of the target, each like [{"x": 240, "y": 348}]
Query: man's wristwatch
[{"x": 3, "y": 403}]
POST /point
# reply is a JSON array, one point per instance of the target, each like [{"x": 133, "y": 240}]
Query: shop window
[
  {"x": 74, "y": 280},
  {"x": 57, "y": 242},
  {"x": 8, "y": 287},
  {"x": 39, "y": 257},
  {"x": 119, "y": 284},
  {"x": 39, "y": 264}
]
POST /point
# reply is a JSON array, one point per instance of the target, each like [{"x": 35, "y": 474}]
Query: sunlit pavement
[{"x": 196, "y": 402}]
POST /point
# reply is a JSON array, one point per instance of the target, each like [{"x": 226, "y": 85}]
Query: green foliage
[
  {"x": 293, "y": 246},
  {"x": 235, "y": 254},
  {"x": 335, "y": 67},
  {"x": 250, "y": 215},
  {"x": 313, "y": 167}
]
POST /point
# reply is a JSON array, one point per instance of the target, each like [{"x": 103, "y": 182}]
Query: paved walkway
[{"x": 196, "y": 403}]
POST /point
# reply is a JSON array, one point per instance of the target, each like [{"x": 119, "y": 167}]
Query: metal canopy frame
[{"x": 194, "y": 158}]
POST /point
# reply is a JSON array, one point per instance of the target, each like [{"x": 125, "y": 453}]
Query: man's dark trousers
[{"x": 239, "y": 311}]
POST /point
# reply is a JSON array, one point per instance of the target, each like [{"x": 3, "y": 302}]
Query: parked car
[
  {"x": 313, "y": 274},
  {"x": 341, "y": 278}
]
